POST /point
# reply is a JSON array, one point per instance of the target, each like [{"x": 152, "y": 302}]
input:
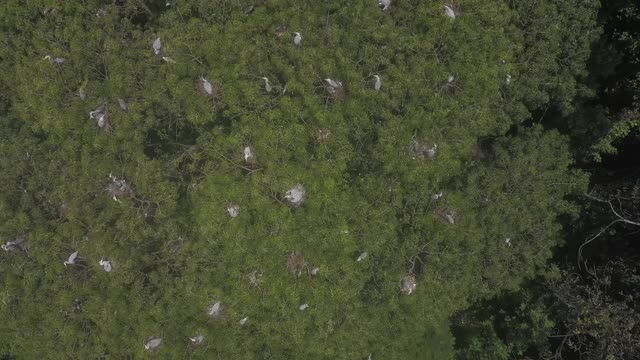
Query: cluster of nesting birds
[{"x": 294, "y": 196}]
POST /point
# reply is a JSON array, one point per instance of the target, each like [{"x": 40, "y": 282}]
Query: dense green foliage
[{"x": 468, "y": 85}]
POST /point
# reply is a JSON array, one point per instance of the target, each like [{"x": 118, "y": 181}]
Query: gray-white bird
[
  {"x": 508, "y": 241},
  {"x": 436, "y": 196},
  {"x": 508, "y": 81},
  {"x": 57, "y": 60},
  {"x": 378, "y": 83},
  {"x": 315, "y": 271},
  {"x": 233, "y": 210},
  {"x": 106, "y": 265},
  {"x": 384, "y": 3},
  {"x": 123, "y": 104},
  {"x": 303, "y": 307},
  {"x": 244, "y": 320},
  {"x": 297, "y": 40},
  {"x": 157, "y": 46},
  {"x": 197, "y": 340},
  {"x": 152, "y": 344},
  {"x": 362, "y": 256},
  {"x": 206, "y": 85},
  {"x": 334, "y": 84},
  {"x": 296, "y": 195},
  {"x": 17, "y": 244},
  {"x": 267, "y": 85},
  {"x": 450, "y": 79},
  {"x": 449, "y": 12},
  {"x": 72, "y": 259},
  {"x": 248, "y": 154}
]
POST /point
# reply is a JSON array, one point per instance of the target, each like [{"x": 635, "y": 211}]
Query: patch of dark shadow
[{"x": 163, "y": 142}]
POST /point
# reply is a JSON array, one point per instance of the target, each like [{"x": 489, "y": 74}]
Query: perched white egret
[
  {"x": 408, "y": 285},
  {"x": 303, "y": 307},
  {"x": 72, "y": 259},
  {"x": 106, "y": 265},
  {"x": 508, "y": 241},
  {"x": 267, "y": 85},
  {"x": 297, "y": 40},
  {"x": 168, "y": 60},
  {"x": 369, "y": 358},
  {"x": 206, "y": 85},
  {"x": 378, "y": 84},
  {"x": 244, "y": 320},
  {"x": 17, "y": 244},
  {"x": 333, "y": 83},
  {"x": 56, "y": 60},
  {"x": 315, "y": 271},
  {"x": 436, "y": 196},
  {"x": 152, "y": 344},
  {"x": 199, "y": 339},
  {"x": 101, "y": 121},
  {"x": 362, "y": 256},
  {"x": 233, "y": 210},
  {"x": 248, "y": 154},
  {"x": 157, "y": 46},
  {"x": 450, "y": 79},
  {"x": 384, "y": 3},
  {"x": 296, "y": 195},
  {"x": 449, "y": 12},
  {"x": 450, "y": 218},
  {"x": 508, "y": 81},
  {"x": 123, "y": 104}
]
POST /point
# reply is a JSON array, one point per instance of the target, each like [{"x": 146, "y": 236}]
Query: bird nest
[
  {"x": 335, "y": 89},
  {"x": 446, "y": 214},
  {"x": 209, "y": 89},
  {"x": 323, "y": 135},
  {"x": 408, "y": 284},
  {"x": 453, "y": 5},
  {"x": 233, "y": 210},
  {"x": 118, "y": 188},
  {"x": 281, "y": 30},
  {"x": 296, "y": 262},
  {"x": 16, "y": 245},
  {"x": 255, "y": 279},
  {"x": 102, "y": 118},
  {"x": 423, "y": 151}
]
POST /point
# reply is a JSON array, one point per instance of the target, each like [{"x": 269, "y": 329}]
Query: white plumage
[{"x": 72, "y": 259}]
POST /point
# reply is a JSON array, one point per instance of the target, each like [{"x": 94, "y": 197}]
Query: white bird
[
  {"x": 157, "y": 46},
  {"x": 233, "y": 210},
  {"x": 17, "y": 244},
  {"x": 168, "y": 60},
  {"x": 384, "y": 3},
  {"x": 431, "y": 151},
  {"x": 378, "y": 82},
  {"x": 334, "y": 84},
  {"x": 106, "y": 265},
  {"x": 72, "y": 259},
  {"x": 508, "y": 242},
  {"x": 450, "y": 218},
  {"x": 248, "y": 153},
  {"x": 315, "y": 271},
  {"x": 267, "y": 85},
  {"x": 215, "y": 309},
  {"x": 206, "y": 85},
  {"x": 101, "y": 120},
  {"x": 362, "y": 256},
  {"x": 303, "y": 307},
  {"x": 198, "y": 339},
  {"x": 153, "y": 344},
  {"x": 123, "y": 104},
  {"x": 244, "y": 320},
  {"x": 449, "y": 12},
  {"x": 297, "y": 40},
  {"x": 296, "y": 195},
  {"x": 436, "y": 196},
  {"x": 508, "y": 81},
  {"x": 450, "y": 79}
]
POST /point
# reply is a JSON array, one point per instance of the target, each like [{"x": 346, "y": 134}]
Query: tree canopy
[{"x": 176, "y": 163}]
